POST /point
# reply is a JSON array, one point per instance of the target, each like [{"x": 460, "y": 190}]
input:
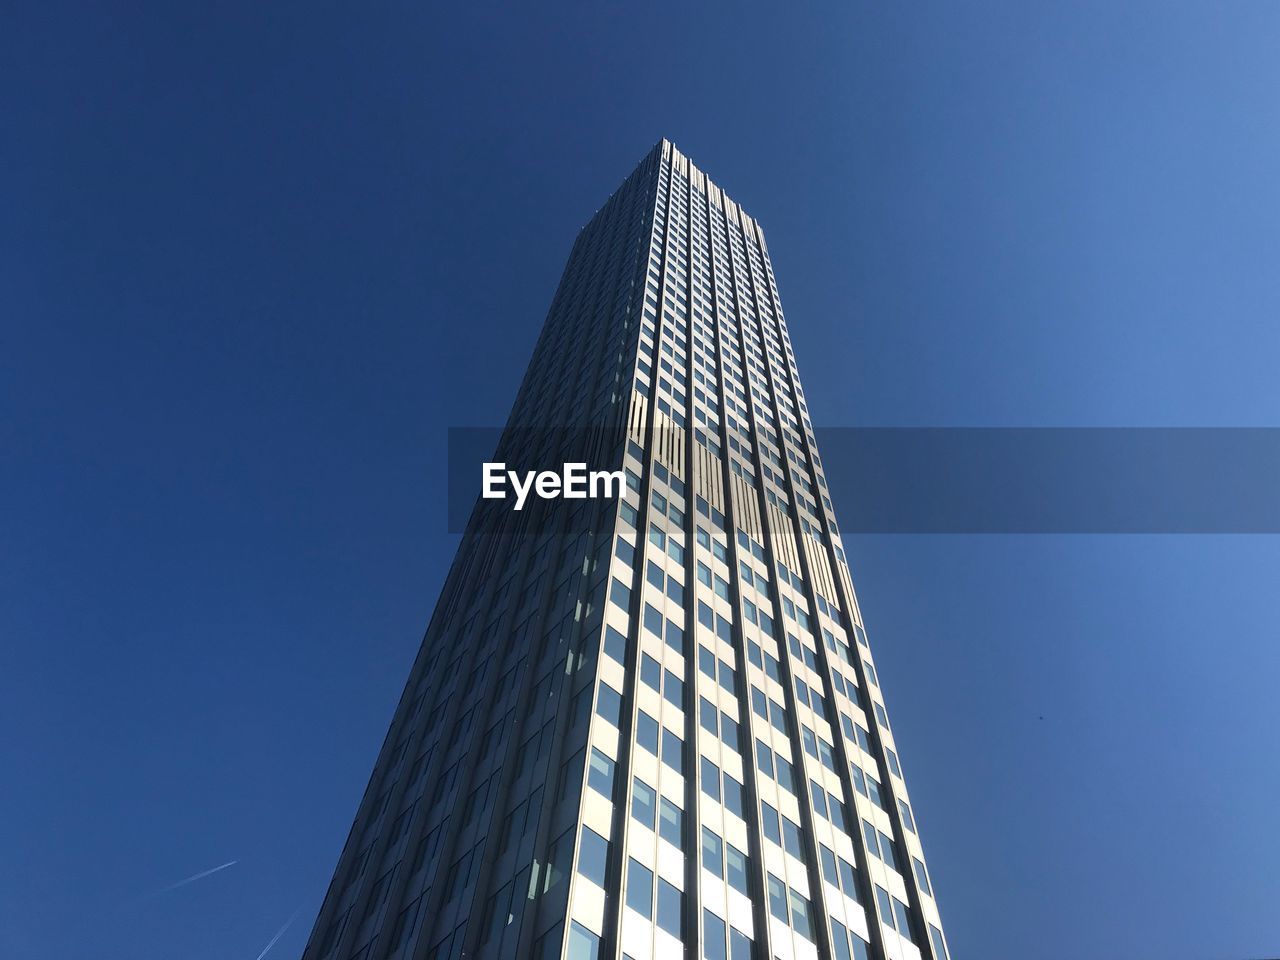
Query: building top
[
  {"x": 666, "y": 150},
  {"x": 683, "y": 165}
]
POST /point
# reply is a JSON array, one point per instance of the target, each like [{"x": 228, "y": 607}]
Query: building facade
[{"x": 649, "y": 726}]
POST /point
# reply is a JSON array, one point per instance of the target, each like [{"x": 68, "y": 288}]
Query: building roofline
[{"x": 682, "y": 164}]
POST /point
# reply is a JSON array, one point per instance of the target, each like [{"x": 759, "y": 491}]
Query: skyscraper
[{"x": 646, "y": 726}]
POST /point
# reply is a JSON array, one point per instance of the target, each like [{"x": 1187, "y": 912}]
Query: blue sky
[{"x": 256, "y": 259}]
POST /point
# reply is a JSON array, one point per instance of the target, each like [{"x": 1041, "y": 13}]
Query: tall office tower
[{"x": 649, "y": 725}]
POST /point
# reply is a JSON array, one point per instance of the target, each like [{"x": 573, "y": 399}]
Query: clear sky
[{"x": 256, "y": 258}]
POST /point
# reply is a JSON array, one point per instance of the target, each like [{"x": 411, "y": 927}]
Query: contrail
[
  {"x": 193, "y": 878},
  {"x": 279, "y": 933}
]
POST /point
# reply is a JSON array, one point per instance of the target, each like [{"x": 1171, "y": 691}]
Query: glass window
[
  {"x": 712, "y": 853},
  {"x": 840, "y": 940},
  {"x": 593, "y": 858},
  {"x": 939, "y": 946},
  {"x": 778, "y": 899},
  {"x": 583, "y": 944},
  {"x": 708, "y": 716},
  {"x": 675, "y": 637},
  {"x": 639, "y": 888},
  {"x": 705, "y": 616},
  {"x": 907, "y": 820},
  {"x": 873, "y": 788},
  {"x": 778, "y": 716},
  {"x": 769, "y": 821},
  {"x": 889, "y": 851},
  {"x": 764, "y": 758},
  {"x": 441, "y": 950},
  {"x": 647, "y": 732},
  {"x": 710, "y": 779},
  {"x": 609, "y": 704},
  {"x": 837, "y": 813},
  {"x": 806, "y": 735},
  {"x": 733, "y": 801},
  {"x": 626, "y": 552},
  {"x": 570, "y": 778},
  {"x": 670, "y": 909},
  {"x": 652, "y": 618},
  {"x": 404, "y": 927},
  {"x": 736, "y": 868},
  {"x": 712, "y": 936},
  {"x": 922, "y": 878},
  {"x": 800, "y": 915},
  {"x": 859, "y": 780},
  {"x": 849, "y": 880},
  {"x": 886, "y": 907},
  {"x": 644, "y": 803},
  {"x": 650, "y": 672},
  {"x": 729, "y": 730},
  {"x": 600, "y": 776},
  {"x": 620, "y": 594},
  {"x": 819, "y": 798},
  {"x": 615, "y": 645},
  {"x": 829, "y": 872},
  {"x": 727, "y": 676},
  {"x": 675, "y": 551},
  {"x": 893, "y": 762},
  {"x": 869, "y": 834},
  {"x": 673, "y": 751},
  {"x": 791, "y": 835},
  {"x": 671, "y": 823},
  {"x": 904, "y": 920},
  {"x": 655, "y": 576},
  {"x": 673, "y": 689}
]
